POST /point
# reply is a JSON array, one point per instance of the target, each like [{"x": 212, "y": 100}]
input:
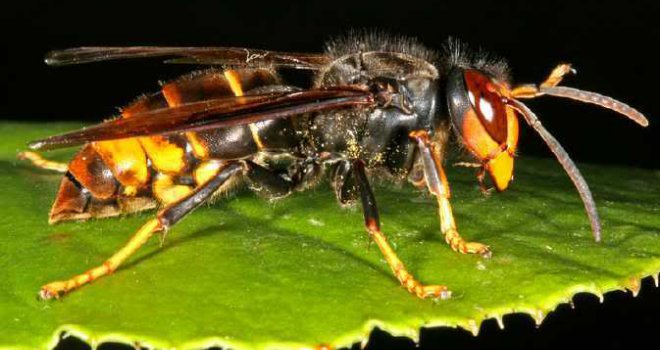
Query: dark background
[{"x": 613, "y": 46}]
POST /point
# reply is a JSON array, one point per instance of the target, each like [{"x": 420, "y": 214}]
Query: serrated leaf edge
[{"x": 537, "y": 312}]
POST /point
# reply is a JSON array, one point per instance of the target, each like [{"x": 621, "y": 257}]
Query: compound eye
[
  {"x": 487, "y": 126},
  {"x": 487, "y": 104},
  {"x": 477, "y": 111}
]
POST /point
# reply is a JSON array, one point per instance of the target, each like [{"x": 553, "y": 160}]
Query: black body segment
[
  {"x": 405, "y": 86},
  {"x": 267, "y": 182}
]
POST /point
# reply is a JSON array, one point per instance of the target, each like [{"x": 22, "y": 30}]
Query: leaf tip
[
  {"x": 633, "y": 285},
  {"x": 500, "y": 321},
  {"x": 601, "y": 297},
  {"x": 538, "y": 317},
  {"x": 364, "y": 342},
  {"x": 473, "y": 327}
]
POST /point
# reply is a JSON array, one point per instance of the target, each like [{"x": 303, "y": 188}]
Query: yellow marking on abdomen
[
  {"x": 129, "y": 191},
  {"x": 199, "y": 149},
  {"x": 254, "y": 131},
  {"x": 173, "y": 98},
  {"x": 165, "y": 156},
  {"x": 166, "y": 191},
  {"x": 234, "y": 80},
  {"x": 206, "y": 170},
  {"x": 126, "y": 159}
]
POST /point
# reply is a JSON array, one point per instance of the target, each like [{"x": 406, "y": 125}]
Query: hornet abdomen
[{"x": 108, "y": 178}]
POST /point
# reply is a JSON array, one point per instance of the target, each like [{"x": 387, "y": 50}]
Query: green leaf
[{"x": 249, "y": 274}]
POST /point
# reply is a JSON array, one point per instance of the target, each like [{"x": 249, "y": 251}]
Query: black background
[{"x": 614, "y": 47}]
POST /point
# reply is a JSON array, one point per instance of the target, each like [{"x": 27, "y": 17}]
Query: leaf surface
[{"x": 250, "y": 274}]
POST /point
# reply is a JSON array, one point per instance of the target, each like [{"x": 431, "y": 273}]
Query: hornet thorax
[{"x": 378, "y": 136}]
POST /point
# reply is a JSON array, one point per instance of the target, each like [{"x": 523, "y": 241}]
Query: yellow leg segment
[
  {"x": 400, "y": 272},
  {"x": 167, "y": 217},
  {"x": 371, "y": 223},
  {"x": 447, "y": 222},
  {"x": 40, "y": 162},
  {"x": 436, "y": 181},
  {"x": 59, "y": 288},
  {"x": 455, "y": 241}
]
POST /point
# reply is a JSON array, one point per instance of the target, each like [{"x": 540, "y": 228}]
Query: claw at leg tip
[
  {"x": 445, "y": 294},
  {"x": 441, "y": 294},
  {"x": 45, "y": 294},
  {"x": 49, "y": 292}
]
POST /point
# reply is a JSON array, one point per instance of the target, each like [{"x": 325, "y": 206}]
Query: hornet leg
[
  {"x": 372, "y": 224},
  {"x": 40, "y": 162},
  {"x": 437, "y": 184},
  {"x": 165, "y": 219}
]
